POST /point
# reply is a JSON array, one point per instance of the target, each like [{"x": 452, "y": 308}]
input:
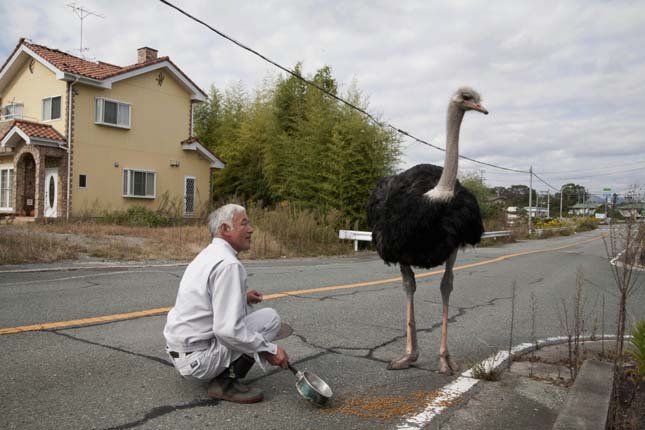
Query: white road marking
[{"x": 460, "y": 386}]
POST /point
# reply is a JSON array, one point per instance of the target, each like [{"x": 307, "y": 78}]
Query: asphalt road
[{"x": 114, "y": 374}]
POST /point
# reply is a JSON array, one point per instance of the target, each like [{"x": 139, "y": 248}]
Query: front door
[{"x": 51, "y": 193}]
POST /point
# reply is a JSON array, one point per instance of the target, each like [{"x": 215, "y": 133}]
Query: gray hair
[{"x": 223, "y": 216}]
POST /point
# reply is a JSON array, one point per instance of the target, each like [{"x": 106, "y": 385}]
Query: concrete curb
[
  {"x": 462, "y": 384},
  {"x": 588, "y": 400}
]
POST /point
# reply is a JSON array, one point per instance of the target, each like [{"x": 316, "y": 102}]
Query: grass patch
[
  {"x": 139, "y": 235},
  {"x": 19, "y": 246}
]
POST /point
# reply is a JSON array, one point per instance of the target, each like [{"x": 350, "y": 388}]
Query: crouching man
[{"x": 211, "y": 333}]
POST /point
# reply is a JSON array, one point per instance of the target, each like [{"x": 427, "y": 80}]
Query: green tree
[
  {"x": 208, "y": 118},
  {"x": 295, "y": 143},
  {"x": 483, "y": 194}
]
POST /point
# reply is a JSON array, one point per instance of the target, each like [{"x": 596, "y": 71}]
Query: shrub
[
  {"x": 586, "y": 224},
  {"x": 136, "y": 216}
]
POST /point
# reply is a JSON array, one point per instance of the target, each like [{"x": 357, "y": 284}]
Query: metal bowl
[{"x": 312, "y": 388}]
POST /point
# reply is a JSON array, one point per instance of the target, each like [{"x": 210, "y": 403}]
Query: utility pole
[
  {"x": 548, "y": 203},
  {"x": 530, "y": 199},
  {"x": 82, "y": 14}
]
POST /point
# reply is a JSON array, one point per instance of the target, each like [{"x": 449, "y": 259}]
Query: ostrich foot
[
  {"x": 446, "y": 365},
  {"x": 403, "y": 362}
]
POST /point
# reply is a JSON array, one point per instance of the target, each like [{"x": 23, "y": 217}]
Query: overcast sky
[{"x": 564, "y": 81}]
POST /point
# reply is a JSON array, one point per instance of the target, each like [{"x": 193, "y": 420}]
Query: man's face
[{"x": 239, "y": 236}]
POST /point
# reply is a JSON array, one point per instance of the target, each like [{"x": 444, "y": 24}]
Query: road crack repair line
[
  {"x": 338, "y": 349},
  {"x": 164, "y": 410},
  {"x": 113, "y": 348},
  {"x": 160, "y": 311}
]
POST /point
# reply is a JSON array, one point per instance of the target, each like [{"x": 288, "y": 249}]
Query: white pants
[{"x": 211, "y": 362}]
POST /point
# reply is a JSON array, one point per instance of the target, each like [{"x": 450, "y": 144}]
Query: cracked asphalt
[{"x": 114, "y": 374}]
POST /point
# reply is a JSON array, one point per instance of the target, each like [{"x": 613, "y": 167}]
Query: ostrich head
[{"x": 468, "y": 99}]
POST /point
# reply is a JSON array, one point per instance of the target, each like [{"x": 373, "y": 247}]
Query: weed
[
  {"x": 485, "y": 372},
  {"x": 638, "y": 342},
  {"x": 136, "y": 216}
]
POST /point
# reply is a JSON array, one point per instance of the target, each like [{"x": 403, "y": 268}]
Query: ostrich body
[{"x": 421, "y": 217}]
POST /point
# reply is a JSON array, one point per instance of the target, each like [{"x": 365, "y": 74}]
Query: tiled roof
[
  {"x": 99, "y": 70},
  {"x": 33, "y": 129},
  {"x": 71, "y": 64}
]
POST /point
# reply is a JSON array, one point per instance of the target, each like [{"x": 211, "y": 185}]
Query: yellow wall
[
  {"x": 160, "y": 118},
  {"x": 30, "y": 89}
]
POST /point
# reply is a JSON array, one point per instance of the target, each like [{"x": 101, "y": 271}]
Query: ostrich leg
[
  {"x": 411, "y": 348},
  {"x": 446, "y": 365}
]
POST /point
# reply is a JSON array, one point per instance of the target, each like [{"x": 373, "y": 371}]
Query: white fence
[{"x": 367, "y": 235}]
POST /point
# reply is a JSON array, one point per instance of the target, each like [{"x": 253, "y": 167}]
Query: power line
[
  {"x": 545, "y": 182},
  {"x": 618, "y": 166},
  {"x": 324, "y": 91},
  {"x": 572, "y": 177}
]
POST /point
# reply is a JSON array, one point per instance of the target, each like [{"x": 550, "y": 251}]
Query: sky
[{"x": 564, "y": 81}]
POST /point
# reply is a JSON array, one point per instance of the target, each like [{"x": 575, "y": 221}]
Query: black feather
[{"x": 408, "y": 228}]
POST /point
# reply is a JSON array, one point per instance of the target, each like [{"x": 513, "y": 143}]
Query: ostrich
[{"x": 421, "y": 217}]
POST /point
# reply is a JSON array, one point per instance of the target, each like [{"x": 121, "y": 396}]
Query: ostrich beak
[{"x": 476, "y": 106}]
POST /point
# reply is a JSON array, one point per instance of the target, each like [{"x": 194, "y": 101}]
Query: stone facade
[{"x": 30, "y": 162}]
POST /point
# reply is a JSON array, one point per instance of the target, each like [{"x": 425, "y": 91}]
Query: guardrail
[{"x": 367, "y": 235}]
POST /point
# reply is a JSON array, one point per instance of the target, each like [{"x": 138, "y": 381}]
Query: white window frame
[
  {"x": 12, "y": 115},
  {"x": 44, "y": 117},
  {"x": 186, "y": 178},
  {"x": 8, "y": 190},
  {"x": 99, "y": 116},
  {"x": 128, "y": 184}
]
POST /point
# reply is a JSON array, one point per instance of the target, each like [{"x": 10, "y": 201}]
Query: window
[
  {"x": 6, "y": 188},
  {"x": 139, "y": 183},
  {"x": 12, "y": 111},
  {"x": 51, "y": 108},
  {"x": 189, "y": 195},
  {"x": 110, "y": 112},
  {"x": 82, "y": 181}
]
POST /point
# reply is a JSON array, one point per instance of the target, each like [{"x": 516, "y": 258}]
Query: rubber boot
[{"x": 226, "y": 385}]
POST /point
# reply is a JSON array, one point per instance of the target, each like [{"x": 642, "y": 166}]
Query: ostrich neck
[{"x": 451, "y": 165}]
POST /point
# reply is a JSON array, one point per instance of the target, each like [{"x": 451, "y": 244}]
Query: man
[{"x": 211, "y": 333}]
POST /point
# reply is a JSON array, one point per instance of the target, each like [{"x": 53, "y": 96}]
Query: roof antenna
[{"x": 82, "y": 14}]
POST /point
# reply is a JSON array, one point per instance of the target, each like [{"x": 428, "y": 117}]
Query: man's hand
[
  {"x": 279, "y": 359},
  {"x": 253, "y": 297}
]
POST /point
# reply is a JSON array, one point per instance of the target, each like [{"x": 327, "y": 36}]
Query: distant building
[
  {"x": 512, "y": 215},
  {"x": 629, "y": 209},
  {"x": 538, "y": 212},
  {"x": 584, "y": 209}
]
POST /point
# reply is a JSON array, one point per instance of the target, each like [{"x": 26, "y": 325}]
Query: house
[
  {"x": 584, "y": 209},
  {"x": 632, "y": 209},
  {"x": 537, "y": 211},
  {"x": 79, "y": 137}
]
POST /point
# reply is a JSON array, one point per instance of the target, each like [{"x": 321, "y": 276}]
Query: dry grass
[
  {"x": 279, "y": 233},
  {"x": 19, "y": 246}
]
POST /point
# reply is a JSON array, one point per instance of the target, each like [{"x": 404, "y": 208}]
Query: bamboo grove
[{"x": 289, "y": 142}]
